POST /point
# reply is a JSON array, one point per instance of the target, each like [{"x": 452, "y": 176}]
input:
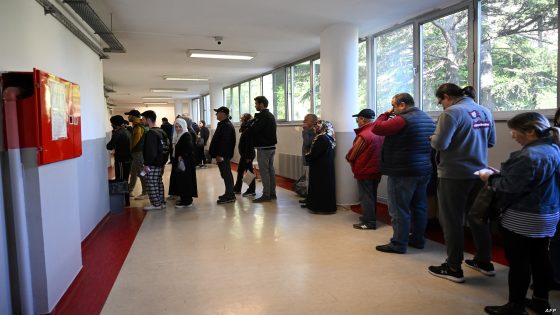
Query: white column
[
  {"x": 339, "y": 99},
  {"x": 178, "y": 107},
  {"x": 216, "y": 100}
]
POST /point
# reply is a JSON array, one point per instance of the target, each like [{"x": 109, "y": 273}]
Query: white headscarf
[{"x": 176, "y": 135}]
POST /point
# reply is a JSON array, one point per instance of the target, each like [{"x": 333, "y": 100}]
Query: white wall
[{"x": 31, "y": 39}]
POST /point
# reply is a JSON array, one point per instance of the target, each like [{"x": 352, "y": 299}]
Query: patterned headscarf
[{"x": 324, "y": 127}]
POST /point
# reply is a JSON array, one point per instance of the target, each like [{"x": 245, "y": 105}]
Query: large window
[
  {"x": 362, "y": 75},
  {"x": 206, "y": 112},
  {"x": 279, "y": 87},
  {"x": 255, "y": 85},
  {"x": 268, "y": 91},
  {"x": 234, "y": 109},
  {"x": 444, "y": 55},
  {"x": 518, "y": 54},
  {"x": 317, "y": 86},
  {"x": 300, "y": 90},
  {"x": 244, "y": 98},
  {"x": 394, "y": 66}
]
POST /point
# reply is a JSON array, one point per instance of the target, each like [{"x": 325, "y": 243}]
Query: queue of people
[{"x": 399, "y": 144}]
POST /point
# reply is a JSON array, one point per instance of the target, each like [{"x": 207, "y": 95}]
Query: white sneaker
[
  {"x": 181, "y": 205},
  {"x": 141, "y": 197},
  {"x": 152, "y": 207}
]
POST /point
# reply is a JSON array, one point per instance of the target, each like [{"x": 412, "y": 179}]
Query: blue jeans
[
  {"x": 408, "y": 207},
  {"x": 367, "y": 190},
  {"x": 265, "y": 158}
]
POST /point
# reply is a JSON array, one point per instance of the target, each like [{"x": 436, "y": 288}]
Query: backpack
[{"x": 164, "y": 147}]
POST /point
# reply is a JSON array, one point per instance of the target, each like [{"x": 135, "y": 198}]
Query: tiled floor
[{"x": 275, "y": 258}]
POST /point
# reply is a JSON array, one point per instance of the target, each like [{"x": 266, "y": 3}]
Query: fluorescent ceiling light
[
  {"x": 178, "y": 78},
  {"x": 156, "y": 98},
  {"x": 156, "y": 103},
  {"x": 169, "y": 90},
  {"x": 218, "y": 54}
]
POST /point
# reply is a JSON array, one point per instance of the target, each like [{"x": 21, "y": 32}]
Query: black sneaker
[
  {"x": 486, "y": 269},
  {"x": 388, "y": 248},
  {"x": 364, "y": 226},
  {"x": 248, "y": 194},
  {"x": 226, "y": 200},
  {"x": 181, "y": 205},
  {"x": 273, "y": 197},
  {"x": 262, "y": 199},
  {"x": 445, "y": 272}
]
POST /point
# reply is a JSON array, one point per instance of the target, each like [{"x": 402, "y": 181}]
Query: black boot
[
  {"x": 540, "y": 306},
  {"x": 508, "y": 309}
]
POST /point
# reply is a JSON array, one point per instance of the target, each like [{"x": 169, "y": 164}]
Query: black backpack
[{"x": 164, "y": 147}]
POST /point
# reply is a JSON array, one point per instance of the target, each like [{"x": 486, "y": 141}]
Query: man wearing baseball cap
[
  {"x": 364, "y": 158},
  {"x": 136, "y": 148},
  {"x": 221, "y": 148}
]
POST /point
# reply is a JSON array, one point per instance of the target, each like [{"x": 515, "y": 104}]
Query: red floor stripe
[{"x": 103, "y": 254}]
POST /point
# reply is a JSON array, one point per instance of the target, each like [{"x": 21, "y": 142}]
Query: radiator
[{"x": 290, "y": 166}]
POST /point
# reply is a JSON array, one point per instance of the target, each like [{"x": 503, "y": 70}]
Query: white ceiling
[{"x": 157, "y": 34}]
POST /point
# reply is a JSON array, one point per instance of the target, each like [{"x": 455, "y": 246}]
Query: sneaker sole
[
  {"x": 482, "y": 271},
  {"x": 221, "y": 202},
  {"x": 448, "y": 277}
]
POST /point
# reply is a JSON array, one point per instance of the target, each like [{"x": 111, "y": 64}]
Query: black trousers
[
  {"x": 122, "y": 171},
  {"x": 225, "y": 173},
  {"x": 526, "y": 257},
  {"x": 241, "y": 168}
]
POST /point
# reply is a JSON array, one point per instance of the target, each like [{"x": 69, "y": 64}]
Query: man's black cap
[
  {"x": 366, "y": 113},
  {"x": 222, "y": 109},
  {"x": 133, "y": 112}
]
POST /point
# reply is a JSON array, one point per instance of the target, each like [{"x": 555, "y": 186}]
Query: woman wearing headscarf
[
  {"x": 183, "y": 179},
  {"x": 321, "y": 194},
  {"x": 527, "y": 188}
]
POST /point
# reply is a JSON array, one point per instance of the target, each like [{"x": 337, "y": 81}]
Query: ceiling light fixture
[
  {"x": 157, "y": 90},
  {"x": 218, "y": 54},
  {"x": 177, "y": 78},
  {"x": 156, "y": 103},
  {"x": 157, "y": 98}
]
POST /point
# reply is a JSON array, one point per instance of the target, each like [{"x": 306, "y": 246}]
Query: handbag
[
  {"x": 249, "y": 177},
  {"x": 300, "y": 186},
  {"x": 181, "y": 165},
  {"x": 485, "y": 205}
]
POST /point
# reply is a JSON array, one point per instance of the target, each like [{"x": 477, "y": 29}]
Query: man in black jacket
[
  {"x": 221, "y": 148},
  {"x": 155, "y": 157},
  {"x": 263, "y": 132},
  {"x": 120, "y": 142}
]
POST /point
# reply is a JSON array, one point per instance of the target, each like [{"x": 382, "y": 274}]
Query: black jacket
[
  {"x": 223, "y": 140},
  {"x": 245, "y": 147},
  {"x": 120, "y": 142},
  {"x": 262, "y": 129},
  {"x": 153, "y": 155},
  {"x": 204, "y": 134}
]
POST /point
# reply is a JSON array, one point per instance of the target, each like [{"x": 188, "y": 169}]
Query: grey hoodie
[{"x": 464, "y": 132}]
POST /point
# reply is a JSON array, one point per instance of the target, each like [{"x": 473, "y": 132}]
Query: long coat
[
  {"x": 321, "y": 194},
  {"x": 184, "y": 183}
]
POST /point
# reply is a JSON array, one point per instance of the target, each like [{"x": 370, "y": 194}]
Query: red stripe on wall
[{"x": 103, "y": 254}]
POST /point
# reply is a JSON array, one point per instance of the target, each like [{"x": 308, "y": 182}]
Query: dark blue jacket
[
  {"x": 529, "y": 180},
  {"x": 408, "y": 152}
]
